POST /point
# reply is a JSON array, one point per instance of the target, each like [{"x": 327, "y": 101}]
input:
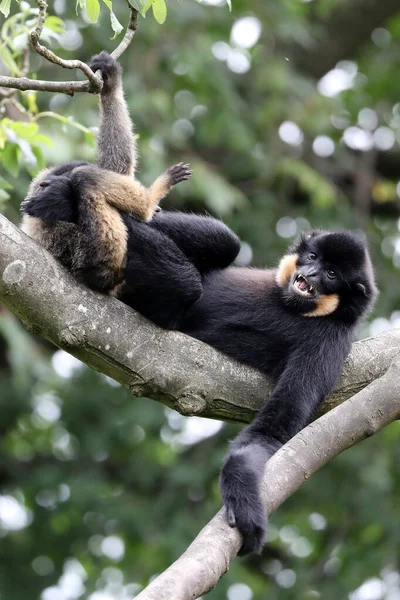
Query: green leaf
[
  {"x": 9, "y": 159},
  {"x": 80, "y": 4},
  {"x": 55, "y": 24},
  {"x": 229, "y": 3},
  {"x": 138, "y": 4},
  {"x": 115, "y": 24},
  {"x": 146, "y": 7},
  {"x": 3, "y": 197},
  {"x": 93, "y": 10},
  {"x": 5, "y": 7},
  {"x": 159, "y": 11},
  {"x": 8, "y": 60},
  {"x": 4, "y": 185}
]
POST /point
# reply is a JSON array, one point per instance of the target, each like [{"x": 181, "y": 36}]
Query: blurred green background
[{"x": 289, "y": 113}]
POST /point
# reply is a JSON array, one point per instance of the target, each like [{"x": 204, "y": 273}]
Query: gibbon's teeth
[{"x": 302, "y": 286}]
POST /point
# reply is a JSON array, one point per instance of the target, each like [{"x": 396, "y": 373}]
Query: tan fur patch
[
  {"x": 286, "y": 268},
  {"x": 129, "y": 195},
  {"x": 111, "y": 229},
  {"x": 325, "y": 305},
  {"x": 32, "y": 227}
]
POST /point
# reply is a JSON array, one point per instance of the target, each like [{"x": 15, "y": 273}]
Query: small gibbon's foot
[
  {"x": 178, "y": 173},
  {"x": 111, "y": 70}
]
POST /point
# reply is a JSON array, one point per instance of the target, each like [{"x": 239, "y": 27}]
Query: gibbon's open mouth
[{"x": 303, "y": 286}]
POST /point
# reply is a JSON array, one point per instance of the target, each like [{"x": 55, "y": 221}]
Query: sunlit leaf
[
  {"x": 9, "y": 159},
  {"x": 80, "y": 4},
  {"x": 115, "y": 24},
  {"x": 93, "y": 10},
  {"x": 4, "y": 196},
  {"x": 5, "y": 7},
  {"x": 159, "y": 11},
  {"x": 229, "y": 3},
  {"x": 8, "y": 60},
  {"x": 146, "y": 7},
  {"x": 4, "y": 185},
  {"x": 55, "y": 24},
  {"x": 138, "y": 4},
  {"x": 30, "y": 99}
]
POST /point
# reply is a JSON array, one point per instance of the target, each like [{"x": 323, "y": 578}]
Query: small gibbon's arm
[
  {"x": 116, "y": 143},
  {"x": 117, "y": 152}
]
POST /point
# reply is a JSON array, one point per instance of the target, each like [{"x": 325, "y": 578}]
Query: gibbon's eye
[
  {"x": 312, "y": 256},
  {"x": 331, "y": 274}
]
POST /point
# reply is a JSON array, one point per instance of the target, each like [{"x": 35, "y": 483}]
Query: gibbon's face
[{"x": 326, "y": 273}]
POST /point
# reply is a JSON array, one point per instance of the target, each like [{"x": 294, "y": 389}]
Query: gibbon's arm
[
  {"x": 309, "y": 376},
  {"x": 116, "y": 145},
  {"x": 117, "y": 152}
]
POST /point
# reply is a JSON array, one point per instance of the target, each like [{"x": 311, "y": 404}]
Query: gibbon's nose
[{"x": 310, "y": 272}]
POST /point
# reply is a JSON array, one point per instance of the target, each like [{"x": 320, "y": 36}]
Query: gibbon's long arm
[{"x": 306, "y": 380}]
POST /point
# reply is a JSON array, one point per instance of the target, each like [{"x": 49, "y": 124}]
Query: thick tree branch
[
  {"x": 342, "y": 34},
  {"x": 207, "y": 559},
  {"x": 167, "y": 366}
]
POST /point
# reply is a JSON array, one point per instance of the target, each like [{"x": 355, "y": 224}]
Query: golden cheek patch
[
  {"x": 286, "y": 268},
  {"x": 325, "y": 305}
]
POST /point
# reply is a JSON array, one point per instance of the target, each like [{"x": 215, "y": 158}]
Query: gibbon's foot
[
  {"x": 178, "y": 173},
  {"x": 240, "y": 488},
  {"x": 111, "y": 71}
]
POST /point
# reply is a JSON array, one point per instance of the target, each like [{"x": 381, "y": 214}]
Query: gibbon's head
[{"x": 328, "y": 273}]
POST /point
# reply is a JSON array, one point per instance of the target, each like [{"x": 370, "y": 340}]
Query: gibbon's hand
[
  {"x": 240, "y": 482},
  {"x": 111, "y": 71},
  {"x": 178, "y": 173}
]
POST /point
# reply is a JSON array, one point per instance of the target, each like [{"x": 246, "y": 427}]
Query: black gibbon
[
  {"x": 294, "y": 323},
  {"x": 75, "y": 208}
]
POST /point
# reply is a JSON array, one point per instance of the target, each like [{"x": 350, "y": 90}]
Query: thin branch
[
  {"x": 129, "y": 34},
  {"x": 207, "y": 559},
  {"x": 24, "y": 84}
]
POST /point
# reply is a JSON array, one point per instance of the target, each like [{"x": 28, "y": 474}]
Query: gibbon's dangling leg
[
  {"x": 167, "y": 259},
  {"x": 159, "y": 279}
]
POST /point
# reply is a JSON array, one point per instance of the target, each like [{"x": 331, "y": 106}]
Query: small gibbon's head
[{"x": 328, "y": 273}]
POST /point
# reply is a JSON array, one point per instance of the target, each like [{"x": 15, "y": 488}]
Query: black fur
[{"x": 178, "y": 275}]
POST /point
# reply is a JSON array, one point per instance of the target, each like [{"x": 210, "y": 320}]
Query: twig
[
  {"x": 24, "y": 83},
  {"x": 207, "y": 559},
  {"x": 34, "y": 36},
  {"x": 130, "y": 32}
]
